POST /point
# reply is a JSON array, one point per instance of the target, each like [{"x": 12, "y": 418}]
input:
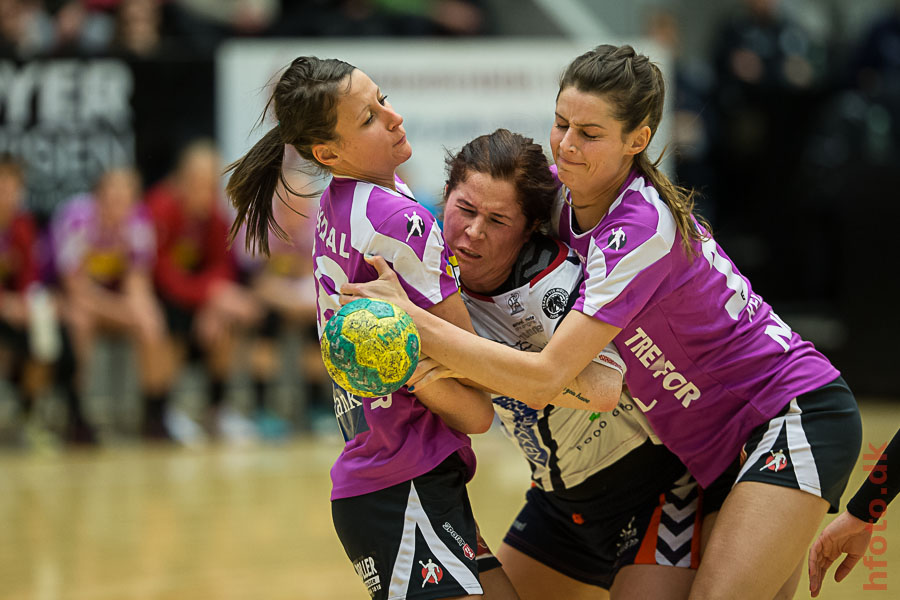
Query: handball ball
[{"x": 370, "y": 347}]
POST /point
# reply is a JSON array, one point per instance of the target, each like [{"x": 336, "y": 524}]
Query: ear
[
  {"x": 638, "y": 140},
  {"x": 325, "y": 154}
]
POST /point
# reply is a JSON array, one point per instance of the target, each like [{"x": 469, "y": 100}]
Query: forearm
[
  {"x": 530, "y": 377},
  {"x": 463, "y": 408},
  {"x": 882, "y": 484},
  {"x": 521, "y": 375},
  {"x": 596, "y": 389}
]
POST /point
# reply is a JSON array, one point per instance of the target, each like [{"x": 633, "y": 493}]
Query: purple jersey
[
  {"x": 393, "y": 438},
  {"x": 105, "y": 254},
  {"x": 708, "y": 360}
]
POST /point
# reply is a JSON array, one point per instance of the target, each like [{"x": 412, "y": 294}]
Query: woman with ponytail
[
  {"x": 399, "y": 501},
  {"x": 763, "y": 421}
]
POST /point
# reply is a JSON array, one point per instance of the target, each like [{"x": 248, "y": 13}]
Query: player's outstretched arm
[
  {"x": 597, "y": 388},
  {"x": 536, "y": 378},
  {"x": 845, "y": 535}
]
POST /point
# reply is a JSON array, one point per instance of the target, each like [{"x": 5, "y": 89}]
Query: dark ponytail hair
[
  {"x": 304, "y": 102},
  {"x": 635, "y": 89},
  {"x": 510, "y": 157}
]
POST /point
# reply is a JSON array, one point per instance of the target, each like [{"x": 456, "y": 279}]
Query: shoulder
[
  {"x": 76, "y": 212},
  {"x": 540, "y": 256},
  {"x": 397, "y": 213},
  {"x": 637, "y": 215}
]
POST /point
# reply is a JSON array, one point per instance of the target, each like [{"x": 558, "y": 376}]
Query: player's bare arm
[{"x": 531, "y": 377}]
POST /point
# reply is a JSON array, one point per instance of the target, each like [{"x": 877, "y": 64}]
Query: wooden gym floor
[{"x": 135, "y": 523}]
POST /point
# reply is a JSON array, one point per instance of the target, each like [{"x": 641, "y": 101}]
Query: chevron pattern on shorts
[{"x": 676, "y": 524}]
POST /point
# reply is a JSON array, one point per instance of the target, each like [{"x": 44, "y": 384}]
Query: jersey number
[
  {"x": 733, "y": 281},
  {"x": 327, "y": 266}
]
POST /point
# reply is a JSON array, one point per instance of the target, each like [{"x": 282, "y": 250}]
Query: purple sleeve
[
  {"x": 411, "y": 241},
  {"x": 625, "y": 265},
  {"x": 142, "y": 240},
  {"x": 69, "y": 232}
]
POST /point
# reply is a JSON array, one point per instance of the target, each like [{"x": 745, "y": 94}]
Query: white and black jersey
[{"x": 564, "y": 446}]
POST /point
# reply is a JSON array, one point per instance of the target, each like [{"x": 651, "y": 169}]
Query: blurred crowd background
[{"x": 125, "y": 316}]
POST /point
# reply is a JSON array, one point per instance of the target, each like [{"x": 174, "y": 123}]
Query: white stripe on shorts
[
  {"x": 801, "y": 452},
  {"x": 798, "y": 448},
  {"x": 403, "y": 566}
]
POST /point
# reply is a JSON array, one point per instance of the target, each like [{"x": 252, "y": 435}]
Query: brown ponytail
[{"x": 304, "y": 103}]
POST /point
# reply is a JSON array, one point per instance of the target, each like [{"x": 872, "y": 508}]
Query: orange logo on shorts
[{"x": 577, "y": 518}]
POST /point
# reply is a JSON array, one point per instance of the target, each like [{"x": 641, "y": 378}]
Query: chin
[{"x": 564, "y": 175}]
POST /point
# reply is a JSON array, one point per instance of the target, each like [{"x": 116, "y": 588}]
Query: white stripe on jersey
[
  {"x": 602, "y": 288},
  {"x": 424, "y": 275},
  {"x": 415, "y": 516}
]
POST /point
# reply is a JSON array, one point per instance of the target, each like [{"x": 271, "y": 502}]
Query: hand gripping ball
[{"x": 370, "y": 347}]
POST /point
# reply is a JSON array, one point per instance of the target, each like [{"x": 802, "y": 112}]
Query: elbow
[
  {"x": 483, "y": 424},
  {"x": 485, "y": 415},
  {"x": 541, "y": 395},
  {"x": 608, "y": 403}
]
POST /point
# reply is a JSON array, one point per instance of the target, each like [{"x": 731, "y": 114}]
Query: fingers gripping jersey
[
  {"x": 394, "y": 438},
  {"x": 708, "y": 360},
  {"x": 563, "y": 446}
]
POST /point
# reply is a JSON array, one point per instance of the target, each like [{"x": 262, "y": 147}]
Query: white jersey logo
[
  {"x": 415, "y": 225},
  {"x": 616, "y": 239}
]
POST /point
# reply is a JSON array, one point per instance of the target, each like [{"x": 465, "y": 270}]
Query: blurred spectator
[
  {"x": 693, "y": 123},
  {"x": 78, "y": 28},
  {"x": 235, "y": 17},
  {"x": 33, "y": 354},
  {"x": 25, "y": 28},
  {"x": 104, "y": 253},
  {"x": 18, "y": 272},
  {"x": 138, "y": 31},
  {"x": 195, "y": 277},
  {"x": 434, "y": 17},
  {"x": 284, "y": 285},
  {"x": 770, "y": 77},
  {"x": 342, "y": 18},
  {"x": 876, "y": 74}
]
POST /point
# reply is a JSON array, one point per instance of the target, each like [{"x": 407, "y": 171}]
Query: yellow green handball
[{"x": 370, "y": 347}]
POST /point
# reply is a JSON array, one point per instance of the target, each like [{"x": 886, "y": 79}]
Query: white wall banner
[{"x": 447, "y": 91}]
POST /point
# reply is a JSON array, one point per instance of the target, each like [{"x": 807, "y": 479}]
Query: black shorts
[
  {"x": 416, "y": 539},
  {"x": 811, "y": 445},
  {"x": 641, "y": 510}
]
